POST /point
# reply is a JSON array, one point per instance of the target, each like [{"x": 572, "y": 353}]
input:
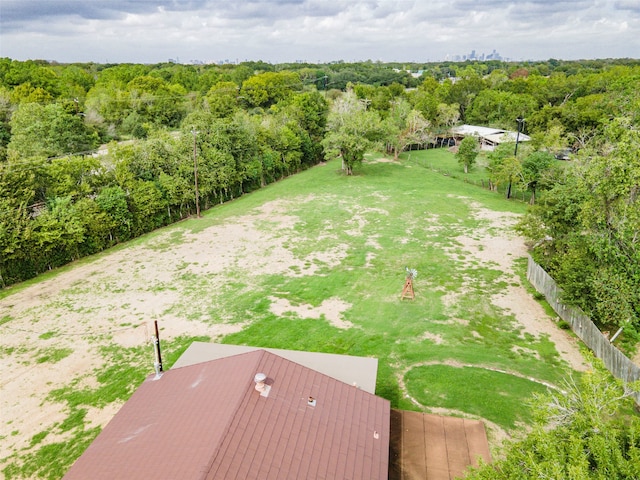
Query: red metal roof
[{"x": 207, "y": 421}]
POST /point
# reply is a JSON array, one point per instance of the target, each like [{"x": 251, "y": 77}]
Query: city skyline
[{"x": 316, "y": 31}]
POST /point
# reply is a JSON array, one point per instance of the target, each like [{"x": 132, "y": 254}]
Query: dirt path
[{"x": 500, "y": 250}]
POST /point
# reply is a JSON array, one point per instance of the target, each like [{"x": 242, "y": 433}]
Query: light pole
[
  {"x": 520, "y": 121},
  {"x": 195, "y": 171}
]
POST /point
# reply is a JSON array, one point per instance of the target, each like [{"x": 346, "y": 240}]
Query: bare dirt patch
[
  {"x": 496, "y": 245},
  {"x": 331, "y": 309},
  {"x": 381, "y": 160},
  {"x": 434, "y": 337},
  {"x": 113, "y": 299}
]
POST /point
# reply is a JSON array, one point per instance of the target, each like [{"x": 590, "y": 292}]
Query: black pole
[
  {"x": 157, "y": 344},
  {"x": 520, "y": 121}
]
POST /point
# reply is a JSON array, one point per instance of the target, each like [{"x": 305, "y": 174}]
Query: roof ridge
[{"x": 259, "y": 354}]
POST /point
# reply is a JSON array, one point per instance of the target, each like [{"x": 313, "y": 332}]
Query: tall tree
[
  {"x": 57, "y": 233},
  {"x": 113, "y": 201},
  {"x": 267, "y": 88},
  {"x": 48, "y": 130},
  {"x": 352, "y": 132},
  {"x": 499, "y": 109},
  {"x": 406, "y": 127},
  {"x": 611, "y": 216},
  {"x": 222, "y": 99},
  {"x": 534, "y": 167},
  {"x": 468, "y": 152}
]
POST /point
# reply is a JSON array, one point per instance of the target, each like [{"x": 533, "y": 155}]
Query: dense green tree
[
  {"x": 503, "y": 165},
  {"x": 5, "y": 122},
  {"x": 611, "y": 215},
  {"x": 585, "y": 228},
  {"x": 380, "y": 99},
  {"x": 184, "y": 75},
  {"x": 447, "y": 116},
  {"x": 352, "y": 132},
  {"x": 283, "y": 146},
  {"x": 148, "y": 206},
  {"x": 534, "y": 167},
  {"x": 27, "y": 93},
  {"x": 109, "y": 103},
  {"x": 424, "y": 102},
  {"x": 74, "y": 176},
  {"x": 585, "y": 431},
  {"x": 57, "y": 233},
  {"x": 311, "y": 110},
  {"x": 134, "y": 124},
  {"x": 588, "y": 111},
  {"x": 113, "y": 202},
  {"x": 178, "y": 192},
  {"x": 156, "y": 101},
  {"x": 122, "y": 74},
  {"x": 467, "y": 153},
  {"x": 96, "y": 227},
  {"x": 75, "y": 82},
  {"x": 242, "y": 133},
  {"x": 464, "y": 91},
  {"x": 499, "y": 109},
  {"x": 267, "y": 88},
  {"x": 14, "y": 227},
  {"x": 48, "y": 130},
  {"x": 406, "y": 127},
  {"x": 222, "y": 99}
]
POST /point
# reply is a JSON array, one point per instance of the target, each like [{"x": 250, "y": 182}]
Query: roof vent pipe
[
  {"x": 261, "y": 386},
  {"x": 157, "y": 365}
]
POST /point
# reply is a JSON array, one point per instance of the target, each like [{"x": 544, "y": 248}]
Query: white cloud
[{"x": 316, "y": 30}]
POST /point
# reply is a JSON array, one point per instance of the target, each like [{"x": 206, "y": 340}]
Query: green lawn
[{"x": 470, "y": 357}]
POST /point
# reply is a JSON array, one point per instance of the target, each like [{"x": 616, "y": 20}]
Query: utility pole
[
  {"x": 195, "y": 171},
  {"x": 520, "y": 121}
]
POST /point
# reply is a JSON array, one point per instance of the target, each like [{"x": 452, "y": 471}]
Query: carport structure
[{"x": 488, "y": 138}]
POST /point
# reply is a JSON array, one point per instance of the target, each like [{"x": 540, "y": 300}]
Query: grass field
[{"x": 330, "y": 252}]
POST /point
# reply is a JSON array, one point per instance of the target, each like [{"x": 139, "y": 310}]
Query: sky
[{"x": 316, "y": 31}]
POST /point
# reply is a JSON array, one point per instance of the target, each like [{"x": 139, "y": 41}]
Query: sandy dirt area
[{"x": 115, "y": 298}]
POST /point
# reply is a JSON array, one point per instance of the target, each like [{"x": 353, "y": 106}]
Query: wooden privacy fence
[{"x": 615, "y": 361}]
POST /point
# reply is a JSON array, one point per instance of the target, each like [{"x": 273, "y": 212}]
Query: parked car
[{"x": 563, "y": 154}]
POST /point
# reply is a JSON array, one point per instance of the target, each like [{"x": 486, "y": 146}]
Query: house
[
  {"x": 359, "y": 371},
  {"x": 488, "y": 137},
  {"x": 254, "y": 415},
  {"x": 310, "y": 415}
]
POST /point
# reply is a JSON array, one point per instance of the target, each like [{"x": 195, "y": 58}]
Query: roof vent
[{"x": 261, "y": 386}]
